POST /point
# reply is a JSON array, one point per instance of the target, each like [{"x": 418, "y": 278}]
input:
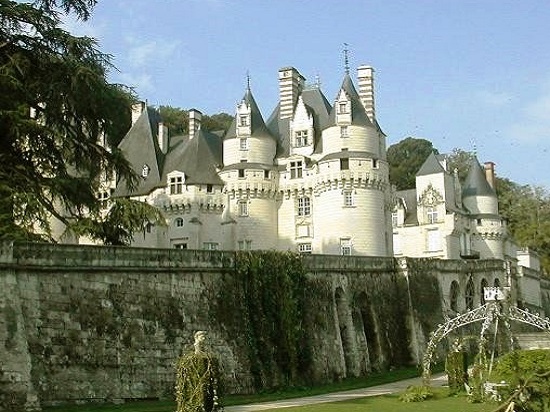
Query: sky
[{"x": 473, "y": 75}]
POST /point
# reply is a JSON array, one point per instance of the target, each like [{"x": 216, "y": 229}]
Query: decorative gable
[
  {"x": 301, "y": 129},
  {"x": 430, "y": 197},
  {"x": 343, "y": 108}
]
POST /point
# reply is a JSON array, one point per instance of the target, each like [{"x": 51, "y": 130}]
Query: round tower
[{"x": 352, "y": 213}]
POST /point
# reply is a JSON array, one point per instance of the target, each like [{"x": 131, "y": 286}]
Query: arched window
[
  {"x": 179, "y": 222},
  {"x": 469, "y": 294},
  {"x": 484, "y": 284},
  {"x": 454, "y": 295}
]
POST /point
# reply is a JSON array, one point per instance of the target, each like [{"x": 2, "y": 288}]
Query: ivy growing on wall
[{"x": 264, "y": 299}]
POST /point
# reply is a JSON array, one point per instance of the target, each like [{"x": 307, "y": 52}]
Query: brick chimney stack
[
  {"x": 194, "y": 122},
  {"x": 365, "y": 77},
  {"x": 291, "y": 84},
  {"x": 490, "y": 174}
]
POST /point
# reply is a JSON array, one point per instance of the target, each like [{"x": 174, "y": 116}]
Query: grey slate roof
[
  {"x": 198, "y": 158},
  {"x": 410, "y": 200},
  {"x": 476, "y": 183},
  {"x": 431, "y": 165},
  {"x": 257, "y": 125},
  {"x": 140, "y": 146},
  {"x": 316, "y": 103},
  {"x": 358, "y": 114}
]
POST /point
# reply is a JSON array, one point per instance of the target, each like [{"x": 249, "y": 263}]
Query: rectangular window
[
  {"x": 431, "y": 214},
  {"x": 433, "y": 240},
  {"x": 394, "y": 219},
  {"x": 305, "y": 248},
  {"x": 176, "y": 185},
  {"x": 243, "y": 120},
  {"x": 348, "y": 199},
  {"x": 243, "y": 208},
  {"x": 304, "y": 206},
  {"x": 344, "y": 164},
  {"x": 301, "y": 138},
  {"x": 241, "y": 173},
  {"x": 266, "y": 174},
  {"x": 375, "y": 164},
  {"x": 245, "y": 244},
  {"x": 296, "y": 169},
  {"x": 397, "y": 247},
  {"x": 344, "y": 131},
  {"x": 180, "y": 246},
  {"x": 209, "y": 189},
  {"x": 244, "y": 143},
  {"x": 345, "y": 247},
  {"x": 210, "y": 245},
  {"x": 342, "y": 107}
]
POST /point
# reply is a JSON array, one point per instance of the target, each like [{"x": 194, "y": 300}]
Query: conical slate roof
[
  {"x": 476, "y": 183},
  {"x": 257, "y": 125},
  {"x": 431, "y": 166},
  {"x": 358, "y": 114},
  {"x": 140, "y": 147}
]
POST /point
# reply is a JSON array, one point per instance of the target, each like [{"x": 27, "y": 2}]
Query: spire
[
  {"x": 346, "y": 58},
  {"x": 248, "y": 80}
]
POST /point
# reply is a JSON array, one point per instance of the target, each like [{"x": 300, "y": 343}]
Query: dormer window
[
  {"x": 296, "y": 169},
  {"x": 176, "y": 181},
  {"x": 145, "y": 171},
  {"x": 301, "y": 138},
  {"x": 243, "y": 120},
  {"x": 343, "y": 108},
  {"x": 431, "y": 214}
]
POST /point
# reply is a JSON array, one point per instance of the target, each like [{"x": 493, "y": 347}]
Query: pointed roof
[
  {"x": 140, "y": 147},
  {"x": 431, "y": 165},
  {"x": 476, "y": 183},
  {"x": 358, "y": 114},
  {"x": 198, "y": 158},
  {"x": 258, "y": 128}
]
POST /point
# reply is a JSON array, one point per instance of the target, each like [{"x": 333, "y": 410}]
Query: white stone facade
[{"x": 313, "y": 178}]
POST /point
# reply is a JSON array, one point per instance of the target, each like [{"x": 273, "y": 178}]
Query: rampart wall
[{"x": 87, "y": 323}]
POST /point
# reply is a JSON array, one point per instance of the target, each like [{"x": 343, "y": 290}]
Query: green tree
[
  {"x": 177, "y": 120},
  {"x": 460, "y": 160},
  {"x": 405, "y": 159},
  {"x": 56, "y": 108}
]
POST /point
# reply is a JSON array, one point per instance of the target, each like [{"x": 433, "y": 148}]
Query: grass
[
  {"x": 391, "y": 403},
  {"x": 287, "y": 393}
]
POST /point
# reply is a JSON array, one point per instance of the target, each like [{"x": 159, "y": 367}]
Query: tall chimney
[
  {"x": 162, "y": 137},
  {"x": 490, "y": 174},
  {"x": 137, "y": 110},
  {"x": 194, "y": 122},
  {"x": 291, "y": 83},
  {"x": 365, "y": 76}
]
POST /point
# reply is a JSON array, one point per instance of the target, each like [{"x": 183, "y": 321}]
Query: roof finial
[
  {"x": 248, "y": 80},
  {"x": 318, "y": 81},
  {"x": 346, "y": 58},
  {"x": 474, "y": 146}
]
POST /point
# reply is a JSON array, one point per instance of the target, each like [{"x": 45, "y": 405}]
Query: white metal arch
[{"x": 487, "y": 313}]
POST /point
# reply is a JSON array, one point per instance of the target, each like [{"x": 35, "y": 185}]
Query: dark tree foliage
[
  {"x": 405, "y": 159},
  {"x": 177, "y": 120},
  {"x": 55, "y": 107},
  {"x": 459, "y": 160}
]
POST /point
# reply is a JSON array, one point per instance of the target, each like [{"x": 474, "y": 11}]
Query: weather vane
[
  {"x": 247, "y": 80},
  {"x": 346, "y": 58}
]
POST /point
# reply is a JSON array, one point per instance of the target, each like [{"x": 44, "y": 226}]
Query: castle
[{"x": 312, "y": 178}]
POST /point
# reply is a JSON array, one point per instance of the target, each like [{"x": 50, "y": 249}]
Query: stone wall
[{"x": 87, "y": 323}]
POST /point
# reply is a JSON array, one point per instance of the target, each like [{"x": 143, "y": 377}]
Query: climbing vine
[{"x": 264, "y": 299}]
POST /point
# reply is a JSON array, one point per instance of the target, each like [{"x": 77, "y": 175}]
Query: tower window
[
  {"x": 301, "y": 138},
  {"x": 243, "y": 120},
  {"x": 304, "y": 206},
  {"x": 375, "y": 164},
  {"x": 431, "y": 214},
  {"x": 209, "y": 188},
  {"x": 345, "y": 247},
  {"x": 243, "y": 208},
  {"x": 241, "y": 173},
  {"x": 244, "y": 143},
  {"x": 344, "y": 164},
  {"x": 176, "y": 185},
  {"x": 266, "y": 174},
  {"x": 179, "y": 222},
  {"x": 344, "y": 131},
  {"x": 349, "y": 200},
  {"x": 296, "y": 169},
  {"x": 343, "y": 108}
]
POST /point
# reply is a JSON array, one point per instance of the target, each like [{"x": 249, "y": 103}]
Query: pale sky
[{"x": 461, "y": 73}]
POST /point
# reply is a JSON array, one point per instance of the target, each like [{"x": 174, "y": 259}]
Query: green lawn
[{"x": 391, "y": 403}]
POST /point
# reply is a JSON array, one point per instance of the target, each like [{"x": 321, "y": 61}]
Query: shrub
[{"x": 416, "y": 394}]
